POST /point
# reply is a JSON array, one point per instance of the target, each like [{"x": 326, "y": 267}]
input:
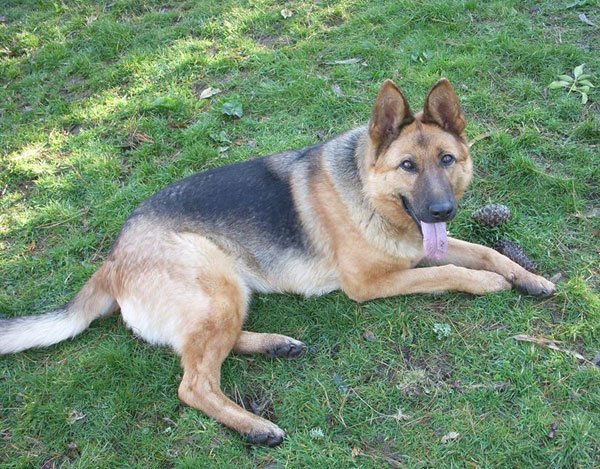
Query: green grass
[{"x": 99, "y": 108}]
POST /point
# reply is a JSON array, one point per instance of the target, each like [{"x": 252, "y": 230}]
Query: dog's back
[{"x": 249, "y": 203}]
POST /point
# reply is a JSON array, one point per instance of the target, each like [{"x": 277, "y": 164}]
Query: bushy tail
[{"x": 64, "y": 323}]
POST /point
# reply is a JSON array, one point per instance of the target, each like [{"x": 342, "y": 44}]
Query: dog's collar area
[{"x": 411, "y": 212}]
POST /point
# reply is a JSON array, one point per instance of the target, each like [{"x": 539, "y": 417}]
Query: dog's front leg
[
  {"x": 475, "y": 256},
  {"x": 367, "y": 285}
]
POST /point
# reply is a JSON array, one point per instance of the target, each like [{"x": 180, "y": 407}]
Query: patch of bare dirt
[
  {"x": 272, "y": 42},
  {"x": 257, "y": 400}
]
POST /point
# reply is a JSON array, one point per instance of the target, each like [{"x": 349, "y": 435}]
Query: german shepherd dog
[{"x": 358, "y": 213}]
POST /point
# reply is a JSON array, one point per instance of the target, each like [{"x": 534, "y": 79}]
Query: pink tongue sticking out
[{"x": 435, "y": 239}]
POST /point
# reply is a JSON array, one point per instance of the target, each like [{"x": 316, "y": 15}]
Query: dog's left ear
[
  {"x": 390, "y": 114},
  {"x": 442, "y": 108}
]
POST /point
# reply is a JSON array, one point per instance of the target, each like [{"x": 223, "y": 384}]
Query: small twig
[
  {"x": 341, "y": 411},
  {"x": 380, "y": 414},
  {"x": 80, "y": 213},
  {"x": 326, "y": 395},
  {"x": 471, "y": 418},
  {"x": 77, "y": 173},
  {"x": 417, "y": 420},
  {"x": 457, "y": 331},
  {"x": 238, "y": 396},
  {"x": 479, "y": 137}
]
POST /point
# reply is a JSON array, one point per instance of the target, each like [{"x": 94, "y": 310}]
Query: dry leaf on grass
[
  {"x": 450, "y": 437},
  {"x": 556, "y": 277},
  {"x": 594, "y": 212},
  {"x": 552, "y": 432},
  {"x": 368, "y": 336},
  {"x": 75, "y": 416},
  {"x": 400, "y": 415},
  {"x": 586, "y": 20},
  {"x": 286, "y": 13},
  {"x": 337, "y": 90},
  {"x": 135, "y": 139},
  {"x": 596, "y": 360},
  {"x": 356, "y": 452},
  {"x": 208, "y": 92}
]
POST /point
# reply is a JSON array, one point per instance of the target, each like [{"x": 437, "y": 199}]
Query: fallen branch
[{"x": 552, "y": 345}]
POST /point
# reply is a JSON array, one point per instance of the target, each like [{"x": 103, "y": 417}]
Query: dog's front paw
[{"x": 534, "y": 285}]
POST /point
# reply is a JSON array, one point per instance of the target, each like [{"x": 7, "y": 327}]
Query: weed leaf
[
  {"x": 557, "y": 84},
  {"x": 577, "y": 71},
  {"x": 165, "y": 103},
  {"x": 342, "y": 386},
  {"x": 580, "y": 3},
  {"x": 220, "y": 137},
  {"x": 232, "y": 108}
]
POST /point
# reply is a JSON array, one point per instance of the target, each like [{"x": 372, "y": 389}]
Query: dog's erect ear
[
  {"x": 442, "y": 108},
  {"x": 390, "y": 114}
]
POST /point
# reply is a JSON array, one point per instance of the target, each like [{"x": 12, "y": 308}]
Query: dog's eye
[
  {"x": 408, "y": 165},
  {"x": 448, "y": 159}
]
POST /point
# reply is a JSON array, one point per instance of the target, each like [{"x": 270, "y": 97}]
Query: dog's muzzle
[{"x": 435, "y": 238}]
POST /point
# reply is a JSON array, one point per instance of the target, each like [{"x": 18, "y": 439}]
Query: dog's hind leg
[
  {"x": 208, "y": 341},
  {"x": 186, "y": 293},
  {"x": 273, "y": 345}
]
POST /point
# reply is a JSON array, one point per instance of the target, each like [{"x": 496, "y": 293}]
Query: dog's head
[{"x": 418, "y": 166}]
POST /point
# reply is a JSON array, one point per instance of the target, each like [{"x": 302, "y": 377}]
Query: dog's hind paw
[
  {"x": 290, "y": 348},
  {"x": 270, "y": 438}
]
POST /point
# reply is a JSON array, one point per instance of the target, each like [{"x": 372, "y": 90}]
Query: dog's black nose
[{"x": 441, "y": 211}]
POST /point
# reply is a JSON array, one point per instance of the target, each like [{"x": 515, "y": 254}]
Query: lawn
[{"x": 101, "y": 105}]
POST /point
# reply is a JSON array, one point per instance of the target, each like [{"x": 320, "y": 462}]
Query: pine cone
[
  {"x": 515, "y": 253},
  {"x": 492, "y": 215}
]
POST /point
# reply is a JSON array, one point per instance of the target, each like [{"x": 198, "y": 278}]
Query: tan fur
[{"x": 189, "y": 289}]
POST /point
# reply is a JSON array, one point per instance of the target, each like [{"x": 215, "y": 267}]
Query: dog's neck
[{"x": 347, "y": 171}]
